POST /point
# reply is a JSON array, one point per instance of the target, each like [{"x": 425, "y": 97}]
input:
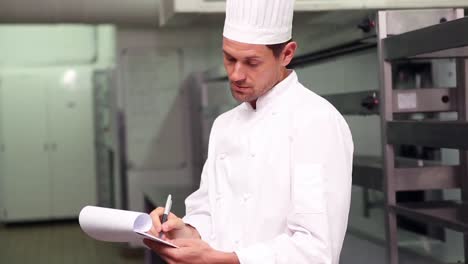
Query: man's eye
[{"x": 253, "y": 63}]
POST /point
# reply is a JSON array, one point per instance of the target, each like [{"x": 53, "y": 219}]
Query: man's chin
[{"x": 241, "y": 98}]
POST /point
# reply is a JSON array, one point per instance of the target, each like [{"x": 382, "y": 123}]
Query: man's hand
[
  {"x": 191, "y": 251},
  {"x": 173, "y": 228}
]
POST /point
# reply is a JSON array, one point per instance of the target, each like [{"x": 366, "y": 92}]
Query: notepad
[{"x": 113, "y": 225}]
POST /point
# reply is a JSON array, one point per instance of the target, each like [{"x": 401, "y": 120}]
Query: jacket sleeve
[
  {"x": 321, "y": 155},
  {"x": 197, "y": 208},
  {"x": 198, "y": 212}
]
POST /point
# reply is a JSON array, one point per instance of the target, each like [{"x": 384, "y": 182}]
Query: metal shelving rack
[
  {"x": 443, "y": 40},
  {"x": 408, "y": 35}
]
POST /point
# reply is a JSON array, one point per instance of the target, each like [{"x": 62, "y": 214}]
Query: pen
[{"x": 167, "y": 211}]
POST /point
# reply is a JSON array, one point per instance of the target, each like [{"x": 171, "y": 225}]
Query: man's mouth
[{"x": 238, "y": 87}]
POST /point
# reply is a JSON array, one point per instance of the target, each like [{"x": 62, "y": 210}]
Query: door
[
  {"x": 2, "y": 154},
  {"x": 25, "y": 170},
  {"x": 72, "y": 132}
]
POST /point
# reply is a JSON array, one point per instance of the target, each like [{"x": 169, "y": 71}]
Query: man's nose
[{"x": 238, "y": 74}]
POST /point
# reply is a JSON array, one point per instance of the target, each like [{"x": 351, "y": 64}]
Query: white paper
[{"x": 112, "y": 225}]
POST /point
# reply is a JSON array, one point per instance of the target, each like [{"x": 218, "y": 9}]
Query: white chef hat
[{"x": 259, "y": 21}]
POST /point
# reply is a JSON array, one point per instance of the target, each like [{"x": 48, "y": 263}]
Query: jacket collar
[{"x": 274, "y": 94}]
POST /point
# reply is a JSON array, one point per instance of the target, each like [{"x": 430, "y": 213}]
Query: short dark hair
[{"x": 278, "y": 48}]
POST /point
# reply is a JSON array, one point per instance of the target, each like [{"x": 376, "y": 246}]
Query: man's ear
[{"x": 288, "y": 53}]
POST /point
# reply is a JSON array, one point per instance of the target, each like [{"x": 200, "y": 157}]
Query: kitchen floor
[
  {"x": 65, "y": 243},
  {"x": 60, "y": 243}
]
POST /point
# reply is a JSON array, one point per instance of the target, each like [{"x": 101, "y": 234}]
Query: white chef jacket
[{"x": 276, "y": 185}]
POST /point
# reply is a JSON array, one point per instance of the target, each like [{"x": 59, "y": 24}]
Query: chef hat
[{"x": 259, "y": 21}]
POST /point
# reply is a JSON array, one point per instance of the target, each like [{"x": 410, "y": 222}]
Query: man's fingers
[
  {"x": 164, "y": 251},
  {"x": 183, "y": 242},
  {"x": 157, "y": 247},
  {"x": 156, "y": 218},
  {"x": 172, "y": 223}
]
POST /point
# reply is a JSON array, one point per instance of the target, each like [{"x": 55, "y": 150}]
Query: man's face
[{"x": 252, "y": 69}]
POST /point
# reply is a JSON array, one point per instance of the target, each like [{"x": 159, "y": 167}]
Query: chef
[{"x": 276, "y": 185}]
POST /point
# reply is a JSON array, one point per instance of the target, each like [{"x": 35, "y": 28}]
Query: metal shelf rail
[
  {"x": 366, "y": 102},
  {"x": 441, "y": 40},
  {"x": 408, "y": 174}
]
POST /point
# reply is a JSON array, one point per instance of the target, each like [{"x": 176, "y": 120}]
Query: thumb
[{"x": 174, "y": 223}]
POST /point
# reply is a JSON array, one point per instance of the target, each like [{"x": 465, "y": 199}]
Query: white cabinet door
[
  {"x": 71, "y": 129},
  {"x": 25, "y": 174}
]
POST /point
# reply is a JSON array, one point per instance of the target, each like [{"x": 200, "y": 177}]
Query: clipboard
[{"x": 156, "y": 239}]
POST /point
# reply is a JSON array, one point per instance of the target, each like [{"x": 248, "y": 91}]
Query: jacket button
[
  {"x": 246, "y": 197},
  {"x": 252, "y": 155},
  {"x": 222, "y": 156}
]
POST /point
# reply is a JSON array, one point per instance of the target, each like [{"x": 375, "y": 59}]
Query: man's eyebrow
[
  {"x": 254, "y": 57},
  {"x": 225, "y": 52}
]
